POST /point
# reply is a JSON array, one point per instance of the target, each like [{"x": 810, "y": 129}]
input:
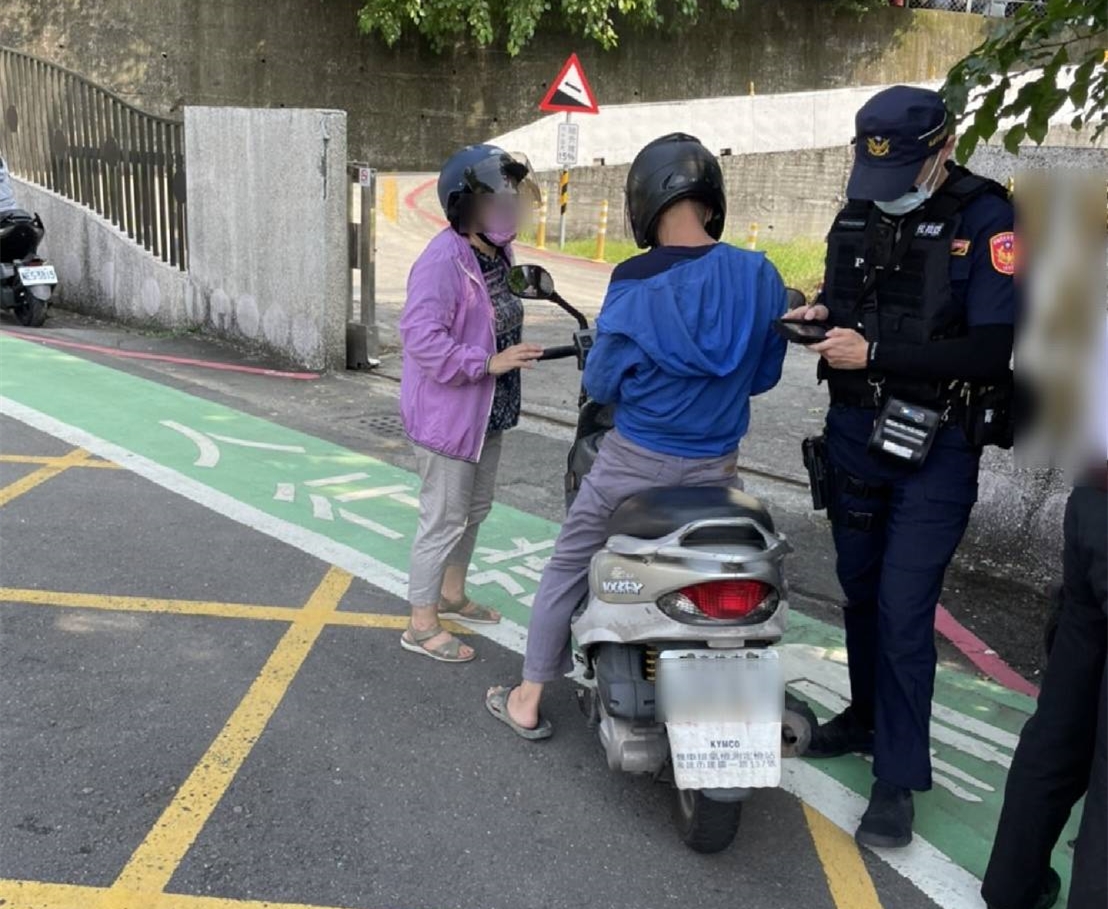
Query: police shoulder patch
[{"x": 1002, "y": 251}]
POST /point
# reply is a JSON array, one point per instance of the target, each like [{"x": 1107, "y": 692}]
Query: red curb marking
[
  {"x": 981, "y": 655},
  {"x": 181, "y": 361}
]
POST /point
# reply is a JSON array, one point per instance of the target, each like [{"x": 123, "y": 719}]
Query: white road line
[
  {"x": 286, "y": 492},
  {"x": 321, "y": 507},
  {"x": 947, "y": 884},
  {"x": 268, "y": 446},
  {"x": 380, "y": 529},
  {"x": 209, "y": 451},
  {"x": 936, "y": 876},
  {"x": 377, "y": 492},
  {"x": 405, "y": 499},
  {"x": 338, "y": 481}
]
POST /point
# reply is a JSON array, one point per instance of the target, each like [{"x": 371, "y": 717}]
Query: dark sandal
[
  {"x": 448, "y": 652},
  {"x": 468, "y": 611},
  {"x": 497, "y": 703}
]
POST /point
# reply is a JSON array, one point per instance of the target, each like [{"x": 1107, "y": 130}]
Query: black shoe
[
  {"x": 1048, "y": 896},
  {"x": 887, "y": 823},
  {"x": 844, "y": 734}
]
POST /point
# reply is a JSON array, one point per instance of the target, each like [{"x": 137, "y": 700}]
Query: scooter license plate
[
  {"x": 31, "y": 275},
  {"x": 722, "y": 711}
]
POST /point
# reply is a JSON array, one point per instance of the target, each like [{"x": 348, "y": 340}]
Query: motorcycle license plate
[
  {"x": 31, "y": 275},
  {"x": 722, "y": 710}
]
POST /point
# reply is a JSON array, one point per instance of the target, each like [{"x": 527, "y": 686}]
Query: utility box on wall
[{"x": 268, "y": 228}]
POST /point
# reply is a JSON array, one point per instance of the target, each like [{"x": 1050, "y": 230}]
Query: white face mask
[{"x": 915, "y": 197}]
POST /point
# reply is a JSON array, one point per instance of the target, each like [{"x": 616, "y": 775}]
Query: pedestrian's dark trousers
[
  {"x": 896, "y": 529},
  {"x": 1062, "y": 750}
]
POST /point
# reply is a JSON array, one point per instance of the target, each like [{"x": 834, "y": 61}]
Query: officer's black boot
[
  {"x": 887, "y": 823},
  {"x": 846, "y": 733}
]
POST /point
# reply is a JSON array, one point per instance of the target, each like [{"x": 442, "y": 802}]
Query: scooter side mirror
[
  {"x": 795, "y": 298},
  {"x": 531, "y": 282}
]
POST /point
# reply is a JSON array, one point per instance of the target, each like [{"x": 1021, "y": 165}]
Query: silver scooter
[{"x": 686, "y": 601}]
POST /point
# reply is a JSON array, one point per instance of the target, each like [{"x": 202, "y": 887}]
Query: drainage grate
[{"x": 391, "y": 427}]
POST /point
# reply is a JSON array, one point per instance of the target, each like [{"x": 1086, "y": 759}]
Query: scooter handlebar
[{"x": 563, "y": 352}]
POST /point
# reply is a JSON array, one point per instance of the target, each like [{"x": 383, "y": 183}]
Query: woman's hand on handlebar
[{"x": 519, "y": 356}]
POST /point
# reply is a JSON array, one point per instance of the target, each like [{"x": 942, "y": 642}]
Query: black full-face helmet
[
  {"x": 667, "y": 170},
  {"x": 476, "y": 170}
]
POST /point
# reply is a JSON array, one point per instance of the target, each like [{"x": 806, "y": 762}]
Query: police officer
[{"x": 918, "y": 291}]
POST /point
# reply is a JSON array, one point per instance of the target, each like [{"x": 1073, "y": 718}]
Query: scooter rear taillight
[{"x": 730, "y": 600}]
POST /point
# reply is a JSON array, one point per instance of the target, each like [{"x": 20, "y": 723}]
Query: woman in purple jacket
[{"x": 460, "y": 389}]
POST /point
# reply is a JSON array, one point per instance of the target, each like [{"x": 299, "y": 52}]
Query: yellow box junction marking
[
  {"x": 25, "y": 484},
  {"x": 40, "y": 895},
  {"x": 847, "y": 876},
  {"x": 109, "y": 603},
  {"x": 47, "y": 460},
  {"x": 157, "y": 858}
]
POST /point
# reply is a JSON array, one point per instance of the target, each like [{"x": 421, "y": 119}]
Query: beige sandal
[
  {"x": 448, "y": 652},
  {"x": 468, "y": 611}
]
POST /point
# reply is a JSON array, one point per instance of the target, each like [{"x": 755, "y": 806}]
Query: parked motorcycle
[
  {"x": 26, "y": 281},
  {"x": 686, "y": 600}
]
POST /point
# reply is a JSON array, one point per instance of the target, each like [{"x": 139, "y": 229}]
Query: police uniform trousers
[
  {"x": 896, "y": 529},
  {"x": 1062, "y": 753}
]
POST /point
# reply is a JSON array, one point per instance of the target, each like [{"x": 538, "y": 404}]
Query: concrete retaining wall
[
  {"x": 268, "y": 259},
  {"x": 101, "y": 270},
  {"x": 410, "y": 107},
  {"x": 793, "y": 193}
]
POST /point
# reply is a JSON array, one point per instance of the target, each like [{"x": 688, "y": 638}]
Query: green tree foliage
[
  {"x": 1054, "y": 52},
  {"x": 513, "y": 23}
]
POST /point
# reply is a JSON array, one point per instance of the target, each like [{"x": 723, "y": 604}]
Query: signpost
[{"x": 570, "y": 93}]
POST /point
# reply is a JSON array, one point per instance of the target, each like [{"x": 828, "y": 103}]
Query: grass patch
[{"x": 799, "y": 261}]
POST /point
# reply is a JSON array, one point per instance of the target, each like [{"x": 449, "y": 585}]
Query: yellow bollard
[
  {"x": 602, "y": 231},
  {"x": 752, "y": 237},
  {"x": 390, "y": 199},
  {"x": 540, "y": 227}
]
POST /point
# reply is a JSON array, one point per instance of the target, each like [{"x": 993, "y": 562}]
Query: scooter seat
[{"x": 657, "y": 512}]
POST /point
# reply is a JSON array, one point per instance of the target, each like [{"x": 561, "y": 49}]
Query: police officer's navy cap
[{"x": 894, "y": 133}]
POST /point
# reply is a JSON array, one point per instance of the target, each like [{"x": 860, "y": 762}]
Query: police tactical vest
[{"x": 890, "y": 278}]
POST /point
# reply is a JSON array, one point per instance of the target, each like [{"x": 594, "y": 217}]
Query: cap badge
[{"x": 877, "y": 146}]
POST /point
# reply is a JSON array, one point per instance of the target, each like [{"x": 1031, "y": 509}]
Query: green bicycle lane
[{"x": 360, "y": 512}]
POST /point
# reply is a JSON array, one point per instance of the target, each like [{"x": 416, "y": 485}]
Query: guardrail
[{"x": 84, "y": 142}]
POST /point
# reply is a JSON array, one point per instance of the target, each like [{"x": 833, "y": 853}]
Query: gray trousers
[
  {"x": 454, "y": 498},
  {"x": 622, "y": 469}
]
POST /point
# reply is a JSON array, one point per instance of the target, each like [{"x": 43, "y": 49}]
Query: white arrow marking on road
[
  {"x": 269, "y": 446},
  {"x": 381, "y": 529},
  {"x": 209, "y": 452},
  {"x": 497, "y": 577},
  {"x": 286, "y": 492},
  {"x": 338, "y": 481},
  {"x": 523, "y": 547},
  {"x": 404, "y": 499},
  {"x": 377, "y": 492},
  {"x": 527, "y": 572},
  {"x": 321, "y": 508}
]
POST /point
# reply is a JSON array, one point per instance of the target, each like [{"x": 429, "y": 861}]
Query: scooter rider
[
  {"x": 919, "y": 284},
  {"x": 684, "y": 339}
]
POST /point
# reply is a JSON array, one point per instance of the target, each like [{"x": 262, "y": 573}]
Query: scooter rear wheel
[
  {"x": 705, "y": 825},
  {"x": 32, "y": 313}
]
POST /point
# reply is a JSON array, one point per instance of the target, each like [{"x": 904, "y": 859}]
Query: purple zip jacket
[{"x": 448, "y": 333}]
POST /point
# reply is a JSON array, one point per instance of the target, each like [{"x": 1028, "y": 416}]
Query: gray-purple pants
[{"x": 622, "y": 469}]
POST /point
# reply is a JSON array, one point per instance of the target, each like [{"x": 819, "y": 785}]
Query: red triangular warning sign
[{"x": 570, "y": 92}]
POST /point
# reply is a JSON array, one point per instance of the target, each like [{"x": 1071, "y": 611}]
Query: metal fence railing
[
  {"x": 995, "y": 8},
  {"x": 82, "y": 141}
]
